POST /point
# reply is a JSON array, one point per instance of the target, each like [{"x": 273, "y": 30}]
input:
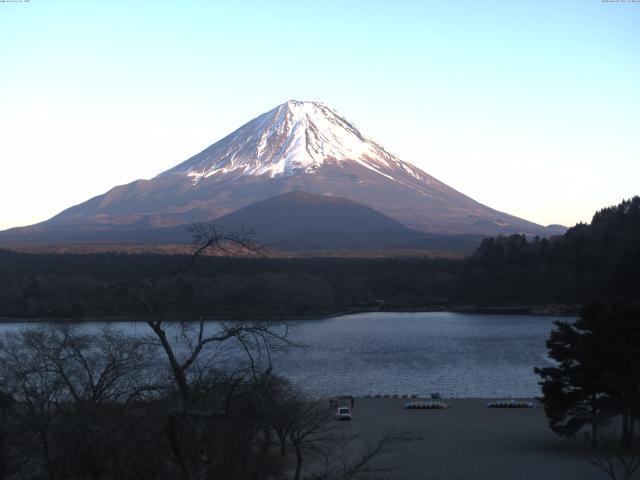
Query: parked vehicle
[{"x": 342, "y": 413}]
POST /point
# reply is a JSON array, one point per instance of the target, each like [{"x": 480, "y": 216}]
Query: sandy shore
[{"x": 470, "y": 441}]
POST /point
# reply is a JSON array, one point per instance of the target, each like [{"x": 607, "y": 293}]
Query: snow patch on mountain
[{"x": 293, "y": 137}]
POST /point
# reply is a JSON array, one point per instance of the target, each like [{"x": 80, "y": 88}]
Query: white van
[{"x": 342, "y": 413}]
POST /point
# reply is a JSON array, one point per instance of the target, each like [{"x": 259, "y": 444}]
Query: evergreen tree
[
  {"x": 572, "y": 391},
  {"x": 598, "y": 372}
]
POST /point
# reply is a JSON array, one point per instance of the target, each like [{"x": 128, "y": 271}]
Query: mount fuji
[{"x": 297, "y": 146}]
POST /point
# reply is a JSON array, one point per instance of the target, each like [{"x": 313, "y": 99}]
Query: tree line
[
  {"x": 600, "y": 259},
  {"x": 589, "y": 261},
  {"x": 69, "y": 286}
]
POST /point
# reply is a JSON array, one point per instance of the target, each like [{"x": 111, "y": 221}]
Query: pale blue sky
[{"x": 529, "y": 107}]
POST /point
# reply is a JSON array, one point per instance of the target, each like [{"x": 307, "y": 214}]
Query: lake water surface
[{"x": 455, "y": 354}]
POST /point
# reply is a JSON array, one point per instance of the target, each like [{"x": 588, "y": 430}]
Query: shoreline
[{"x": 533, "y": 310}]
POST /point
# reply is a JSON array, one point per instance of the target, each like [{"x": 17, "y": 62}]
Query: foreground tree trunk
[
  {"x": 627, "y": 429},
  {"x": 298, "y": 462},
  {"x": 594, "y": 422}
]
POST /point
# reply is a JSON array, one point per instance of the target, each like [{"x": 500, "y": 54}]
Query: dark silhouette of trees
[
  {"x": 74, "y": 287},
  {"x": 598, "y": 373},
  {"x": 70, "y": 397},
  {"x": 594, "y": 261},
  {"x": 617, "y": 462},
  {"x": 77, "y": 406},
  {"x": 572, "y": 391},
  {"x": 11, "y": 436}
]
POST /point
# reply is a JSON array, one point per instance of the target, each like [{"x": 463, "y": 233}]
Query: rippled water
[{"x": 457, "y": 355}]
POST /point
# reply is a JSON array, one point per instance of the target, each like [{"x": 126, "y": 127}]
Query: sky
[{"x": 530, "y": 107}]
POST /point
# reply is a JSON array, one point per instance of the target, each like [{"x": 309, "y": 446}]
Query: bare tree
[
  {"x": 616, "y": 459},
  {"x": 334, "y": 453},
  {"x": 11, "y": 436},
  {"x": 348, "y": 456},
  {"x": 310, "y": 426},
  {"x": 40, "y": 395},
  {"x": 70, "y": 394},
  {"x": 103, "y": 367},
  {"x": 156, "y": 300},
  {"x": 192, "y": 356}
]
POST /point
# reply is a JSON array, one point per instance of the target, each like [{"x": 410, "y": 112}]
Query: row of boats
[{"x": 428, "y": 405}]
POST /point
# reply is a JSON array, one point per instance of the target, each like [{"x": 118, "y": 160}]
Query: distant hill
[{"x": 298, "y": 221}]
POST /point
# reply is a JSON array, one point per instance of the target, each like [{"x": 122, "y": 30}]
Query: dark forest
[{"x": 599, "y": 260}]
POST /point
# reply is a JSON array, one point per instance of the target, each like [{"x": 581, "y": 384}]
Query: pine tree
[{"x": 598, "y": 372}]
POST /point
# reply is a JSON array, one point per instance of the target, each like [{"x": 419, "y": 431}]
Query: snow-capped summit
[{"x": 295, "y": 136}]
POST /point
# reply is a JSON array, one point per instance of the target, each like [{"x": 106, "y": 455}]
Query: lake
[{"x": 455, "y": 354}]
